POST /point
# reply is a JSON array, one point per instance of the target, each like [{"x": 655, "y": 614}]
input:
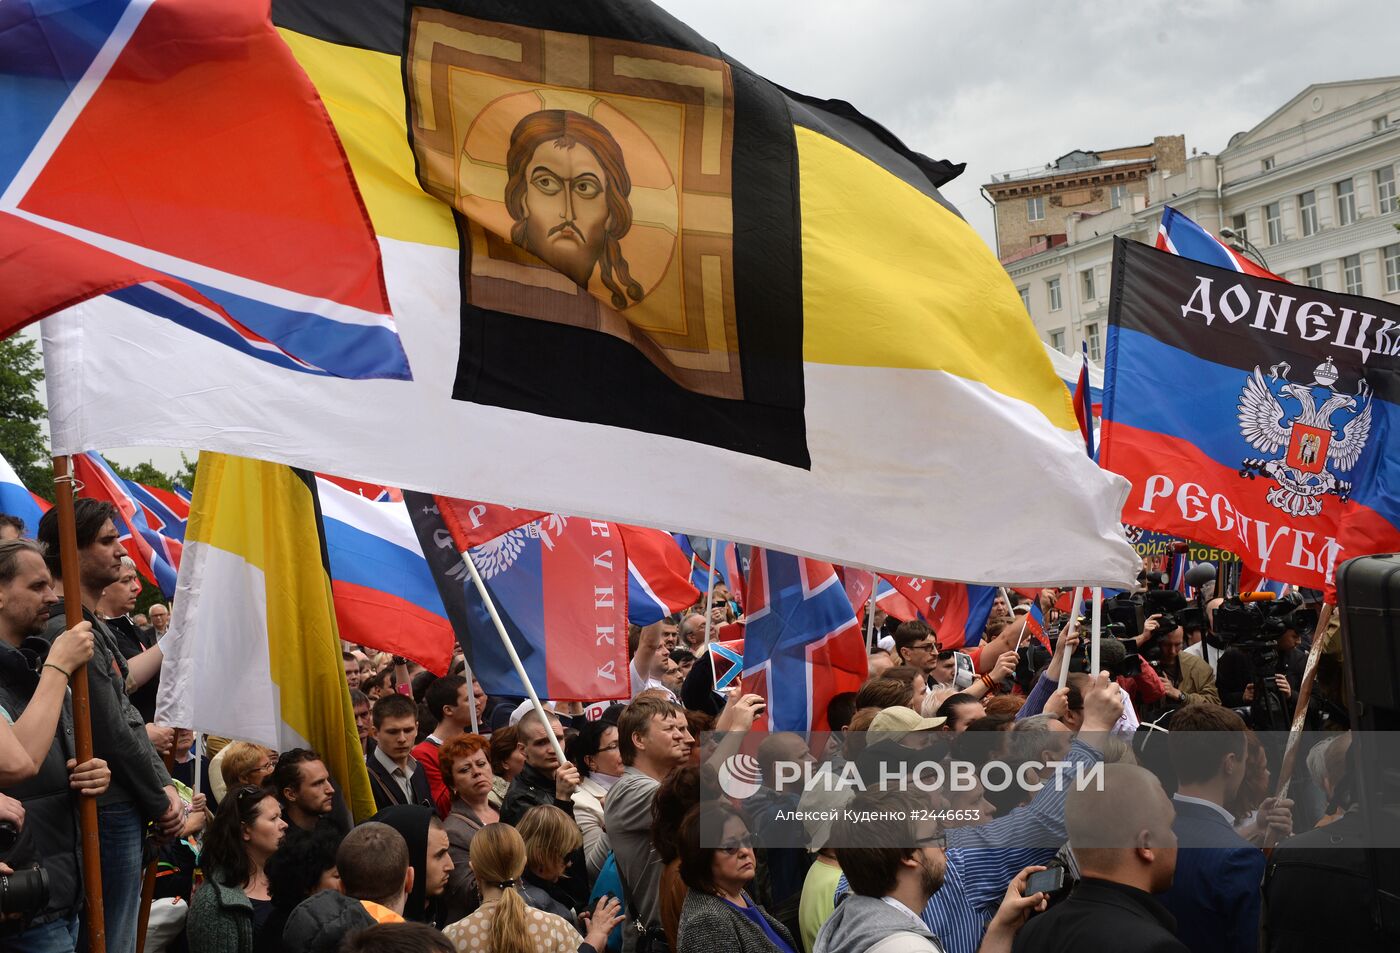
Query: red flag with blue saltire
[
  {"x": 384, "y": 593},
  {"x": 802, "y": 643},
  {"x": 955, "y": 611},
  {"x": 1084, "y": 402},
  {"x": 170, "y": 220},
  {"x": 658, "y": 575},
  {"x": 156, "y": 554},
  {"x": 559, "y": 585},
  {"x": 1180, "y": 235}
]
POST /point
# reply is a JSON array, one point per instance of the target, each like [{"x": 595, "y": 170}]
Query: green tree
[
  {"x": 22, "y": 414},
  {"x": 147, "y": 473}
]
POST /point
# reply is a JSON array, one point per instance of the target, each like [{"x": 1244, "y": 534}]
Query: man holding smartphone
[{"x": 897, "y": 869}]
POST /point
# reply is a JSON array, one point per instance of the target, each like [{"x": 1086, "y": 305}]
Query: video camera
[
  {"x": 1255, "y": 628},
  {"x": 1132, "y": 610},
  {"x": 1114, "y": 636}
]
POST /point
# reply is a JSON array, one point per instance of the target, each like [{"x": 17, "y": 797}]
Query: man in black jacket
[
  {"x": 1121, "y": 834},
  {"x": 34, "y": 698},
  {"x": 395, "y": 776},
  {"x": 141, "y": 789},
  {"x": 544, "y": 780}
]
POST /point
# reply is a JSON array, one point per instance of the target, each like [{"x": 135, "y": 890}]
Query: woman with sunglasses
[
  {"x": 234, "y": 903},
  {"x": 719, "y": 914}
]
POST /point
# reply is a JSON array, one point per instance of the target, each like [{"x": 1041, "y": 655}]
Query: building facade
[{"x": 1313, "y": 188}]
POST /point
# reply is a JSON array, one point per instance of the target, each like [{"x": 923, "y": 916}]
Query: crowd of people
[{"x": 584, "y": 828}]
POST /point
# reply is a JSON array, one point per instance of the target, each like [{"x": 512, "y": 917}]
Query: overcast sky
[{"x": 1008, "y": 84}]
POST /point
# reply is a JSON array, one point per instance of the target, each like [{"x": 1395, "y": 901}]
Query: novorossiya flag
[
  {"x": 1253, "y": 415},
  {"x": 747, "y": 284},
  {"x": 253, "y": 650}
]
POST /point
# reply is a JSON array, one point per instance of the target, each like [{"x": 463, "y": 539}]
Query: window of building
[
  {"x": 1086, "y": 279},
  {"x": 1118, "y": 196},
  {"x": 1346, "y": 203},
  {"x": 1380, "y": 124},
  {"x": 1239, "y": 224},
  {"x": 1266, "y": 163},
  {"x": 1035, "y": 208},
  {"x": 1057, "y": 340},
  {"x": 1273, "y": 219},
  {"x": 1391, "y": 253},
  {"x": 1091, "y": 337},
  {"x": 1351, "y": 274},
  {"x": 1052, "y": 287},
  {"x": 1385, "y": 190},
  {"x": 1025, "y": 292},
  {"x": 1307, "y": 213},
  {"x": 1312, "y": 276}
]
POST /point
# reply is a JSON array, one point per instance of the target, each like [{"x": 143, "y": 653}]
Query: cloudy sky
[{"x": 1008, "y": 84}]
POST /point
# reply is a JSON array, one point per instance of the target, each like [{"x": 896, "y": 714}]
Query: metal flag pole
[
  {"x": 514, "y": 658},
  {"x": 1095, "y": 632},
  {"x": 82, "y": 707},
  {"x": 1069, "y": 633},
  {"x": 471, "y": 679},
  {"x": 710, "y": 589}
]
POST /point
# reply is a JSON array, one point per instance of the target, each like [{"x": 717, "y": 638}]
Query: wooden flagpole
[
  {"x": 1300, "y": 710},
  {"x": 510, "y": 651},
  {"x": 148, "y": 879},
  {"x": 82, "y": 707}
]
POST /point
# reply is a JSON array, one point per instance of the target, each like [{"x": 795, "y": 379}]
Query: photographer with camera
[
  {"x": 1189, "y": 679},
  {"x": 46, "y": 893},
  {"x": 1260, "y": 636}
]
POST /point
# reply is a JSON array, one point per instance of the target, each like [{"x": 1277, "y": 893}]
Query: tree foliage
[{"x": 22, "y": 414}]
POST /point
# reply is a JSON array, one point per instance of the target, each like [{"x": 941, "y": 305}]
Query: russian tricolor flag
[
  {"x": 17, "y": 500},
  {"x": 385, "y": 596}
]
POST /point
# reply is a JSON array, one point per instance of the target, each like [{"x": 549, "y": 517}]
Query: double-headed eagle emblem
[
  {"x": 497, "y": 555},
  {"x": 1315, "y": 452}
]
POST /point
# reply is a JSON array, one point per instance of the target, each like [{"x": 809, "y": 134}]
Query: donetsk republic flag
[
  {"x": 616, "y": 259},
  {"x": 253, "y": 650}
]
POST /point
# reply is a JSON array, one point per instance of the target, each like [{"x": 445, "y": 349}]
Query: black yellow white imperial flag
[{"x": 635, "y": 280}]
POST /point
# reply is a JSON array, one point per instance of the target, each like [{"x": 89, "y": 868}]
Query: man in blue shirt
[{"x": 982, "y": 860}]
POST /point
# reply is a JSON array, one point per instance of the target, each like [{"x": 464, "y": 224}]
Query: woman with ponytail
[{"x": 504, "y": 923}]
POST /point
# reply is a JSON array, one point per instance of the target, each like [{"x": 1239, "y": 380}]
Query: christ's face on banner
[{"x": 565, "y": 209}]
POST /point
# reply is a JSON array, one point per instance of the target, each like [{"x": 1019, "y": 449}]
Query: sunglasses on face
[
  {"x": 738, "y": 845},
  {"x": 933, "y": 840}
]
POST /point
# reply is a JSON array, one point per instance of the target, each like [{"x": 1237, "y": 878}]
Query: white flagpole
[
  {"x": 870, "y": 615},
  {"x": 467, "y": 671},
  {"x": 1095, "y": 633},
  {"x": 514, "y": 658},
  {"x": 198, "y": 762},
  {"x": 1073, "y": 625},
  {"x": 710, "y": 589}
]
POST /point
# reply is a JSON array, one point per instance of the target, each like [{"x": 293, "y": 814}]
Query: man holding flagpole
[{"x": 141, "y": 789}]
